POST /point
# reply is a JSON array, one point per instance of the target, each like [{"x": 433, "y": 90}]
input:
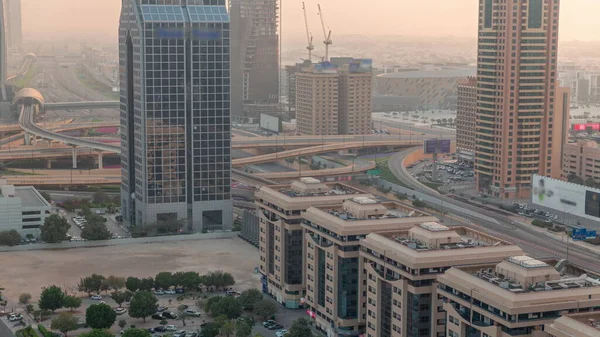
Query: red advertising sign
[{"x": 587, "y": 127}]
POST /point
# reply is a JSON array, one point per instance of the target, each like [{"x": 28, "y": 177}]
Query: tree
[
  {"x": 100, "y": 316},
  {"x": 163, "y": 280},
  {"x": 115, "y": 282},
  {"x": 228, "y": 306},
  {"x": 210, "y": 330},
  {"x": 227, "y": 329},
  {"x": 97, "y": 333},
  {"x": 136, "y": 333},
  {"x": 590, "y": 182},
  {"x": 133, "y": 283},
  {"x": 243, "y": 328},
  {"x": 72, "y": 302},
  {"x": 143, "y": 304},
  {"x": 300, "y": 328},
  {"x": 91, "y": 284},
  {"x": 54, "y": 229},
  {"x": 265, "y": 308},
  {"x": 182, "y": 313},
  {"x": 46, "y": 196},
  {"x": 64, "y": 323},
  {"x": 95, "y": 229},
  {"x": 188, "y": 280},
  {"x": 99, "y": 197},
  {"x": 147, "y": 284},
  {"x": 122, "y": 323},
  {"x": 52, "y": 298},
  {"x": 249, "y": 297},
  {"x": 24, "y": 298},
  {"x": 119, "y": 297},
  {"x": 10, "y": 238}
]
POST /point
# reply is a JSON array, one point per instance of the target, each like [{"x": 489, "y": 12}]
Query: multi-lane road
[{"x": 496, "y": 222}]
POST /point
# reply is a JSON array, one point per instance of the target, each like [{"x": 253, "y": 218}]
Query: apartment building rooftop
[
  {"x": 524, "y": 274},
  {"x": 366, "y": 208},
  {"x": 311, "y": 187},
  {"x": 575, "y": 325}
]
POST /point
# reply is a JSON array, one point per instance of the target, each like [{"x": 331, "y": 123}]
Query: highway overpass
[{"x": 82, "y": 105}]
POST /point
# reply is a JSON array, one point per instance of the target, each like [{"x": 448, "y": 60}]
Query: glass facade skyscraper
[{"x": 175, "y": 112}]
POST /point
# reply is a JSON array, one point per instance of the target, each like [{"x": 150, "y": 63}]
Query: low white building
[{"x": 22, "y": 208}]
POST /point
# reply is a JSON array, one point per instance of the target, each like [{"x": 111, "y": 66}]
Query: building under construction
[{"x": 254, "y": 57}]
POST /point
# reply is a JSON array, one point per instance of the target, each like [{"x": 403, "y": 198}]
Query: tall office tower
[
  {"x": 14, "y": 38},
  {"x": 332, "y": 100},
  {"x": 175, "y": 114},
  {"x": 516, "y": 93},
  {"x": 466, "y": 112},
  {"x": 3, "y": 50},
  {"x": 255, "y": 54},
  {"x": 280, "y": 242}
]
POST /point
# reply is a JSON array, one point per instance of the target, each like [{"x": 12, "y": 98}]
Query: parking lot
[{"x": 453, "y": 175}]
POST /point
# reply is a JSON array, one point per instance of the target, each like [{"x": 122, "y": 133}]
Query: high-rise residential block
[
  {"x": 281, "y": 241},
  {"x": 466, "y": 112},
  {"x": 516, "y": 297},
  {"x": 3, "y": 49},
  {"x": 332, "y": 100},
  {"x": 255, "y": 54},
  {"x": 175, "y": 112},
  {"x": 516, "y": 94},
  {"x": 14, "y": 28},
  {"x": 335, "y": 281},
  {"x": 401, "y": 272}
]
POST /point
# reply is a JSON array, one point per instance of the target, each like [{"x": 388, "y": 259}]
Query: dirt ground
[{"x": 29, "y": 271}]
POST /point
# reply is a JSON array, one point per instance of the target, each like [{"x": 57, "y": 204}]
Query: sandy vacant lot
[{"x": 28, "y": 271}]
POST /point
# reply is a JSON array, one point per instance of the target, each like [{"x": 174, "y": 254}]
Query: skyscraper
[
  {"x": 3, "y": 50},
  {"x": 516, "y": 93},
  {"x": 175, "y": 112},
  {"x": 255, "y": 51},
  {"x": 466, "y": 112},
  {"x": 14, "y": 37}
]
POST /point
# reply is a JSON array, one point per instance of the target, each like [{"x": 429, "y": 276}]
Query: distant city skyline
[{"x": 71, "y": 18}]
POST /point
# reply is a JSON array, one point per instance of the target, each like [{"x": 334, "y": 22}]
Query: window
[
  {"x": 536, "y": 8},
  {"x": 487, "y": 15}
]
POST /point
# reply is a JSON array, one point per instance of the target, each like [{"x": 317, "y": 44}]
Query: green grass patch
[
  {"x": 386, "y": 173},
  {"x": 16, "y": 173},
  {"x": 432, "y": 185},
  {"x": 96, "y": 120},
  {"x": 25, "y": 80},
  {"x": 92, "y": 83}
]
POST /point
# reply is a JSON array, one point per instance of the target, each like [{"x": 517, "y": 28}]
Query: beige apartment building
[
  {"x": 335, "y": 283},
  {"x": 575, "y": 325},
  {"x": 518, "y": 117},
  {"x": 280, "y": 232},
  {"x": 581, "y": 159},
  {"x": 401, "y": 272},
  {"x": 466, "y": 112},
  {"x": 332, "y": 100},
  {"x": 516, "y": 297}
]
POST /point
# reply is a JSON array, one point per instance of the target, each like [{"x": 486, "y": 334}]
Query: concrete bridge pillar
[
  {"x": 74, "y": 154},
  {"x": 49, "y": 142},
  {"x": 100, "y": 159},
  {"x": 27, "y": 138},
  {"x": 48, "y": 163}
]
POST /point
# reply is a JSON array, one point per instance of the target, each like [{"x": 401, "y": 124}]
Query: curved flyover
[{"x": 26, "y": 121}]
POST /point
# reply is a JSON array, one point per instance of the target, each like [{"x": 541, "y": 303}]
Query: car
[
  {"x": 96, "y": 297},
  {"x": 159, "y": 292},
  {"x": 179, "y": 290},
  {"x": 169, "y": 292},
  {"x": 281, "y": 333},
  {"x": 120, "y": 311},
  {"x": 151, "y": 330},
  {"x": 171, "y": 327},
  {"x": 269, "y": 322},
  {"x": 193, "y": 313},
  {"x": 160, "y": 328},
  {"x": 15, "y": 317},
  {"x": 161, "y": 308},
  {"x": 275, "y": 327},
  {"x": 158, "y": 316},
  {"x": 169, "y": 314},
  {"x": 180, "y": 333},
  {"x": 192, "y": 334}
]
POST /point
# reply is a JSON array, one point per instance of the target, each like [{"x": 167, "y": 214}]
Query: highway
[{"x": 496, "y": 223}]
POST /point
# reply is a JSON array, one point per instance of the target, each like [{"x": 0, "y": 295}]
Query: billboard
[
  {"x": 432, "y": 146},
  {"x": 566, "y": 197},
  {"x": 587, "y": 127},
  {"x": 271, "y": 123}
]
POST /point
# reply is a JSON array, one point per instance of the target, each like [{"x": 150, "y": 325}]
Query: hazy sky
[{"x": 97, "y": 18}]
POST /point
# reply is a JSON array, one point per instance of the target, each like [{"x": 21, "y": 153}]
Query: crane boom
[
  {"x": 309, "y": 37},
  {"x": 327, "y": 42}
]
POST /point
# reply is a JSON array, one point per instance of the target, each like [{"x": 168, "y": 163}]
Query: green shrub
[
  {"x": 419, "y": 203},
  {"x": 163, "y": 322},
  {"x": 541, "y": 224},
  {"x": 45, "y": 332},
  {"x": 27, "y": 332}
]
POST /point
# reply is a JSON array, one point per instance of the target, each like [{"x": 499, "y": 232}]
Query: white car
[
  {"x": 281, "y": 333},
  {"x": 171, "y": 327},
  {"x": 193, "y": 313},
  {"x": 96, "y": 297},
  {"x": 169, "y": 292},
  {"x": 159, "y": 292},
  {"x": 120, "y": 311}
]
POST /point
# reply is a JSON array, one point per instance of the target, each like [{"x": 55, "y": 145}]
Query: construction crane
[
  {"x": 326, "y": 35},
  {"x": 309, "y": 36}
]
